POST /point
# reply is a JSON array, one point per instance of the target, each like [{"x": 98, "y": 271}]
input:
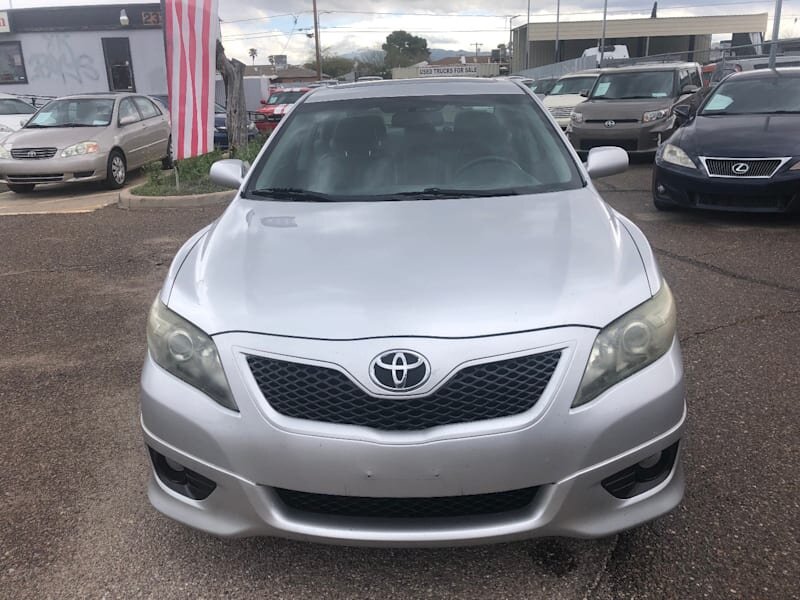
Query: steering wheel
[{"x": 488, "y": 159}]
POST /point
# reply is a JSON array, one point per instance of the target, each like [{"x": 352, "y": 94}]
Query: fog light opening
[
  {"x": 661, "y": 189},
  {"x": 180, "y": 479},
  {"x": 643, "y": 476}
]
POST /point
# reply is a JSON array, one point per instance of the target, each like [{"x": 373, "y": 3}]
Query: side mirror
[
  {"x": 23, "y": 122},
  {"x": 228, "y": 173},
  {"x": 605, "y": 161},
  {"x": 682, "y": 112},
  {"x": 264, "y": 102},
  {"x": 689, "y": 89},
  {"x": 584, "y": 93},
  {"x": 127, "y": 120}
]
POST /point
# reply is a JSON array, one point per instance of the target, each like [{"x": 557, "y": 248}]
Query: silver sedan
[
  {"x": 85, "y": 138},
  {"x": 416, "y": 324}
]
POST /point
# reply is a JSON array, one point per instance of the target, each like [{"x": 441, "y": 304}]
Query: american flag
[{"x": 190, "y": 33}]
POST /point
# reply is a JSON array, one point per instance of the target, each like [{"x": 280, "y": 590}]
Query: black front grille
[
  {"x": 767, "y": 203},
  {"x": 486, "y": 391},
  {"x": 408, "y": 508},
  {"x": 274, "y": 118},
  {"x": 33, "y": 178},
  {"x": 33, "y": 153},
  {"x": 730, "y": 167},
  {"x": 627, "y": 145}
]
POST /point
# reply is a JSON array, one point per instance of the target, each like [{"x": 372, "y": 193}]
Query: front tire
[
  {"x": 116, "y": 170},
  {"x": 21, "y": 188}
]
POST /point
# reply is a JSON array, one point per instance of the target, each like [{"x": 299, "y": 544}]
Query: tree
[
  {"x": 372, "y": 62},
  {"x": 332, "y": 65},
  {"x": 253, "y": 52},
  {"x": 232, "y": 72},
  {"x": 403, "y": 49}
]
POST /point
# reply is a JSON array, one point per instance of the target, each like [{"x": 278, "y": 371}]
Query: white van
[{"x": 611, "y": 52}]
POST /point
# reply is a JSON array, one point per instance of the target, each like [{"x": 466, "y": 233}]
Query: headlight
[
  {"x": 796, "y": 167},
  {"x": 80, "y": 149},
  {"x": 676, "y": 156},
  {"x": 4, "y": 153},
  {"x": 629, "y": 344},
  {"x": 182, "y": 349},
  {"x": 576, "y": 117},
  {"x": 655, "y": 115}
]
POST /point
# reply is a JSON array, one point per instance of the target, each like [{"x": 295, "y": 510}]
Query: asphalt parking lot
[{"x": 75, "y": 521}]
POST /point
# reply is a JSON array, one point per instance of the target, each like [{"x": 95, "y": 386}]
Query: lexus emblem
[
  {"x": 399, "y": 370},
  {"x": 610, "y": 124},
  {"x": 741, "y": 168}
]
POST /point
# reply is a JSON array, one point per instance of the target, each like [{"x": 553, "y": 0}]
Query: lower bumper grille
[
  {"x": 627, "y": 145},
  {"x": 777, "y": 202},
  {"x": 49, "y": 178},
  {"x": 476, "y": 393},
  {"x": 408, "y": 508}
]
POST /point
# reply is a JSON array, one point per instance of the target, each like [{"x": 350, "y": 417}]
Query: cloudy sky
[{"x": 351, "y": 25}]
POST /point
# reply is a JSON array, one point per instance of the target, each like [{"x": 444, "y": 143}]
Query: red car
[{"x": 268, "y": 117}]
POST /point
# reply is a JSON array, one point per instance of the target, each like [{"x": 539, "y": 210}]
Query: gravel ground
[{"x": 75, "y": 521}]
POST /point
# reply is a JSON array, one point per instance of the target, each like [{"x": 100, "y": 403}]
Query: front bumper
[
  {"x": 566, "y": 453},
  {"x": 693, "y": 189},
  {"x": 635, "y": 138},
  {"x": 54, "y": 170}
]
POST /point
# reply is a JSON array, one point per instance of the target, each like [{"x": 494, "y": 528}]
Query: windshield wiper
[
  {"x": 638, "y": 97},
  {"x": 295, "y": 194},
  {"x": 435, "y": 192}
]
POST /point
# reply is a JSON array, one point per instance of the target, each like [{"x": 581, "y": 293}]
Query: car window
[
  {"x": 696, "y": 78},
  {"x": 147, "y": 108},
  {"x": 635, "y": 84},
  {"x": 755, "y": 96},
  {"x": 127, "y": 109},
  {"x": 12, "y": 106},
  {"x": 572, "y": 85},
  {"x": 73, "y": 112},
  {"x": 285, "y": 97},
  {"x": 393, "y": 148}
]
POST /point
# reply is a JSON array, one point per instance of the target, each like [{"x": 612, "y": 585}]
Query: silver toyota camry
[{"x": 416, "y": 324}]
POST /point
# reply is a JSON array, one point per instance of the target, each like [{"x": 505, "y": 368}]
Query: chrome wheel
[{"x": 118, "y": 169}]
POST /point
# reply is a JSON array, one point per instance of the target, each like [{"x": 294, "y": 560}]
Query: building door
[{"x": 119, "y": 67}]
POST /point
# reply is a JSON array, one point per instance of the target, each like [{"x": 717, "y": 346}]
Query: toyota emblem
[
  {"x": 610, "y": 124},
  {"x": 741, "y": 168},
  {"x": 32, "y": 154},
  {"x": 399, "y": 370}
]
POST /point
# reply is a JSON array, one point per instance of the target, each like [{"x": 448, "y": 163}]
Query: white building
[{"x": 55, "y": 51}]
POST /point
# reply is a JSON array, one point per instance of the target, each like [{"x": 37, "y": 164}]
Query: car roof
[
  {"x": 766, "y": 73},
  {"x": 105, "y": 96},
  {"x": 428, "y": 86},
  {"x": 291, "y": 89},
  {"x": 587, "y": 73},
  {"x": 652, "y": 67}
]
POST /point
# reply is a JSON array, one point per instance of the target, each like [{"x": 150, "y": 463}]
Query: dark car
[
  {"x": 741, "y": 149},
  {"x": 220, "y": 123}
]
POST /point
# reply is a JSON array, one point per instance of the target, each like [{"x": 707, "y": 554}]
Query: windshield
[
  {"x": 285, "y": 97},
  {"x": 572, "y": 85},
  {"x": 15, "y": 107},
  {"x": 643, "y": 84},
  {"x": 542, "y": 86},
  {"x": 74, "y": 112},
  {"x": 773, "y": 95},
  {"x": 414, "y": 148}
]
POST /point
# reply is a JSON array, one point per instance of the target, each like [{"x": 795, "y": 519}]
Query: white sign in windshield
[{"x": 447, "y": 70}]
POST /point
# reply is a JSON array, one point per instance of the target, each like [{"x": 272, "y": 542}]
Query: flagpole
[
  {"x": 603, "y": 39},
  {"x": 528, "y": 36},
  {"x": 776, "y": 33},
  {"x": 558, "y": 24}
]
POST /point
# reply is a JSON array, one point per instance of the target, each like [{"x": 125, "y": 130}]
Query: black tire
[
  {"x": 167, "y": 163},
  {"x": 116, "y": 170},
  {"x": 21, "y": 188}
]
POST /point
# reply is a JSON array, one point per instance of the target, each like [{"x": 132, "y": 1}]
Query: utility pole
[
  {"x": 477, "y": 49},
  {"x": 511, "y": 49},
  {"x": 528, "y": 37},
  {"x": 603, "y": 39},
  {"x": 558, "y": 24},
  {"x": 776, "y": 33},
  {"x": 316, "y": 41}
]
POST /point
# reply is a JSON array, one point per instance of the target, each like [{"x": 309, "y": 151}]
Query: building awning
[{"x": 660, "y": 27}]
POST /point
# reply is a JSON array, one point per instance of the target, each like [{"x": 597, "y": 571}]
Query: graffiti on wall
[{"x": 60, "y": 61}]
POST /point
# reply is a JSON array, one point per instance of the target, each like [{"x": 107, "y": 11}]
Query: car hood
[
  {"x": 622, "y": 109},
  {"x": 442, "y": 268},
  {"x": 58, "y": 137},
  {"x": 742, "y": 136},
  {"x": 563, "y": 100}
]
